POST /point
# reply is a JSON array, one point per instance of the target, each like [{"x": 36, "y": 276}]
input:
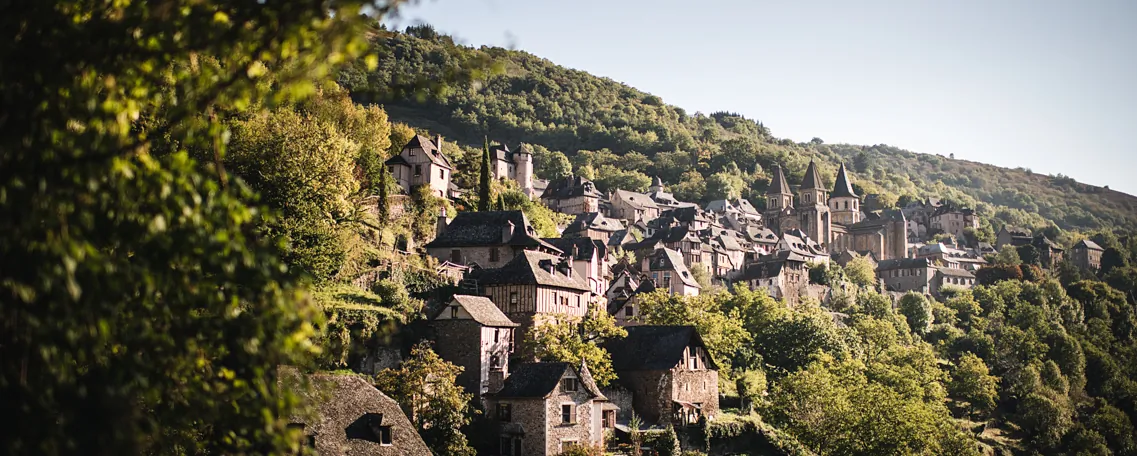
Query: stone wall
[{"x": 581, "y": 431}]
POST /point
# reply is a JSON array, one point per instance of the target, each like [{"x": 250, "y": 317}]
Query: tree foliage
[
  {"x": 574, "y": 340},
  {"x": 424, "y": 386}
]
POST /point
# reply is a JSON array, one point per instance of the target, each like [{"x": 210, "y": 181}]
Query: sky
[{"x": 1040, "y": 84}]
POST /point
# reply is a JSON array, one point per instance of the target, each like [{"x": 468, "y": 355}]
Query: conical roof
[
  {"x": 778, "y": 185},
  {"x": 656, "y": 182},
  {"x": 842, "y": 188},
  {"x": 812, "y": 180}
]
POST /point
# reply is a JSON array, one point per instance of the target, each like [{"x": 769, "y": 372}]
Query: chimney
[
  {"x": 438, "y": 142},
  {"x": 507, "y": 232},
  {"x": 495, "y": 381},
  {"x": 440, "y": 226}
]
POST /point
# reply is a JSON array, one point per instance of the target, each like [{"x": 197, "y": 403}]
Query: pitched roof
[
  {"x": 539, "y": 380},
  {"x": 812, "y": 180},
  {"x": 666, "y": 259},
  {"x": 582, "y": 248},
  {"x": 878, "y": 219},
  {"x": 762, "y": 270},
  {"x": 1086, "y": 243},
  {"x": 484, "y": 311},
  {"x": 430, "y": 148},
  {"x": 842, "y": 188},
  {"x": 778, "y": 184},
  {"x": 634, "y": 199},
  {"x": 719, "y": 206},
  {"x": 745, "y": 206},
  {"x": 346, "y": 409},
  {"x": 570, "y": 187},
  {"x": 397, "y": 160},
  {"x": 1016, "y": 230},
  {"x": 653, "y": 347},
  {"x": 903, "y": 263},
  {"x": 531, "y": 268},
  {"x": 594, "y": 221},
  {"x": 955, "y": 272},
  {"x": 473, "y": 229}
]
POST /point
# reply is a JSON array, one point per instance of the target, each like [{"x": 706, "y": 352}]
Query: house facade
[
  {"x": 421, "y": 162},
  {"x": 487, "y": 239},
  {"x": 666, "y": 268},
  {"x": 907, "y": 274},
  {"x": 544, "y": 409},
  {"x": 667, "y": 369},
  {"x": 473, "y": 333},
  {"x": 572, "y": 195},
  {"x": 783, "y": 275},
  {"x": 1086, "y": 254},
  {"x": 589, "y": 260},
  {"x": 593, "y": 225},
  {"x": 633, "y": 206}
]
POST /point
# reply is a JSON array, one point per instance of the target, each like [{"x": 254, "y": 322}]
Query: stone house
[
  {"x": 1013, "y": 236},
  {"x": 670, "y": 374},
  {"x": 593, "y": 225},
  {"x": 534, "y": 284},
  {"x": 884, "y": 234},
  {"x": 952, "y": 277},
  {"x": 784, "y": 276},
  {"x": 801, "y": 244},
  {"x": 1049, "y": 252},
  {"x": 907, "y": 274},
  {"x": 589, "y": 260},
  {"x": 951, "y": 220},
  {"x": 473, "y": 333},
  {"x": 572, "y": 195},
  {"x": 951, "y": 257},
  {"x": 515, "y": 166},
  {"x": 547, "y": 408},
  {"x": 1086, "y": 254},
  {"x": 633, "y": 206},
  {"x": 350, "y": 417},
  {"x": 422, "y": 162},
  {"x": 487, "y": 239},
  {"x": 665, "y": 267}
]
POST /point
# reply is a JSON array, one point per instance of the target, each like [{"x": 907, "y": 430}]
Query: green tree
[
  {"x": 575, "y": 340},
  {"x": 485, "y": 193},
  {"x": 384, "y": 203},
  {"x": 438, "y": 408},
  {"x": 553, "y": 165},
  {"x": 1028, "y": 254},
  {"x": 972, "y": 382},
  {"x": 1008, "y": 256},
  {"x": 149, "y": 315},
  {"x": 861, "y": 272},
  {"x": 708, "y": 313},
  {"x": 400, "y": 135},
  {"x": 917, "y": 311}
]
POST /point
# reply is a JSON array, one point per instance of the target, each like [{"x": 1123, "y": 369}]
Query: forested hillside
[{"x": 633, "y": 135}]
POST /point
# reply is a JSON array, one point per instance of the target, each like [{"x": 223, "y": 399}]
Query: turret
[
  {"x": 656, "y": 185},
  {"x": 811, "y": 191},
  {"x": 778, "y": 196},
  {"x": 811, "y": 206},
  {"x": 524, "y": 160}
]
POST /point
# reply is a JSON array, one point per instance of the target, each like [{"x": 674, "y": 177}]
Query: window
[
  {"x": 385, "y": 435},
  {"x": 411, "y": 152},
  {"x": 569, "y": 384},
  {"x": 442, "y": 174},
  {"x": 418, "y": 170},
  {"x": 629, "y": 311},
  {"x": 455, "y": 256},
  {"x": 505, "y": 412},
  {"x": 494, "y": 254},
  {"x": 513, "y": 301},
  {"x": 666, "y": 280},
  {"x": 568, "y": 413},
  {"x": 453, "y": 312},
  {"x": 495, "y": 363},
  {"x": 608, "y": 419},
  {"x": 496, "y": 335}
]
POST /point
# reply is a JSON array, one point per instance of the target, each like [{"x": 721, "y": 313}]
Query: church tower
[
  {"x": 778, "y": 199},
  {"x": 811, "y": 206},
  {"x": 843, "y": 202}
]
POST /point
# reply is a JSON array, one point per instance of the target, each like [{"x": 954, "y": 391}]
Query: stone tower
[
  {"x": 844, "y": 204},
  {"x": 656, "y": 185},
  {"x": 778, "y": 199},
  {"x": 811, "y": 206},
  {"x": 524, "y": 174}
]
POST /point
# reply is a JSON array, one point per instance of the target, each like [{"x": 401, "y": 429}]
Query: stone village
[{"x": 619, "y": 245}]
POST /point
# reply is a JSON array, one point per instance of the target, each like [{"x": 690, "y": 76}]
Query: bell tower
[
  {"x": 812, "y": 207},
  {"x": 778, "y": 199},
  {"x": 843, "y": 202}
]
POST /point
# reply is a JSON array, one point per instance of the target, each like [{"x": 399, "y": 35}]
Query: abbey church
[{"x": 834, "y": 219}]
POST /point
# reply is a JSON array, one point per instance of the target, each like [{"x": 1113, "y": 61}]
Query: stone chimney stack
[
  {"x": 440, "y": 226},
  {"x": 507, "y": 232},
  {"x": 438, "y": 142}
]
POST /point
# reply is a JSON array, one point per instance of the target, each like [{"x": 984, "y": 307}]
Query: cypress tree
[
  {"x": 500, "y": 202},
  {"x": 384, "y": 209},
  {"x": 484, "y": 181}
]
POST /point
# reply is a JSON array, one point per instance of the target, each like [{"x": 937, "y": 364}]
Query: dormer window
[{"x": 570, "y": 385}]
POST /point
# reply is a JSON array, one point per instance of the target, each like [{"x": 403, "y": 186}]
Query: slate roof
[
  {"x": 1015, "y": 230},
  {"x": 531, "y": 268},
  {"x": 663, "y": 197},
  {"x": 483, "y": 229},
  {"x": 745, "y": 206},
  {"x": 1088, "y": 244},
  {"x": 1041, "y": 241},
  {"x": 878, "y": 220},
  {"x": 953, "y": 272},
  {"x": 649, "y": 348},
  {"x": 430, "y": 148},
  {"x": 539, "y": 380},
  {"x": 345, "y": 405},
  {"x": 594, "y": 221},
  {"x": 484, "y": 311},
  {"x": 584, "y": 247},
  {"x": 842, "y": 188},
  {"x": 397, "y": 160},
  {"x": 903, "y": 263},
  {"x": 719, "y": 206},
  {"x": 672, "y": 260},
  {"x": 634, "y": 199},
  {"x": 570, "y": 187},
  {"x": 617, "y": 238},
  {"x": 812, "y": 180},
  {"x": 762, "y": 270},
  {"x": 778, "y": 183}
]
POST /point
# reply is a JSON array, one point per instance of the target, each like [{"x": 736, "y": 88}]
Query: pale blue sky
[{"x": 1047, "y": 85}]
